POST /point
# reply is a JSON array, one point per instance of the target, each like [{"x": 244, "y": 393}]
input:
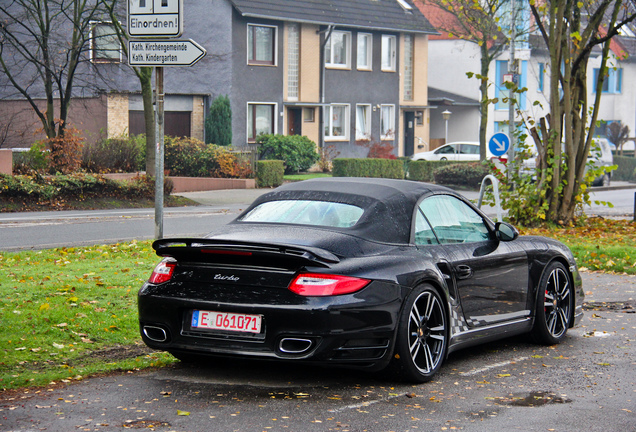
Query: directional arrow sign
[
  {"x": 164, "y": 52},
  {"x": 499, "y": 144}
]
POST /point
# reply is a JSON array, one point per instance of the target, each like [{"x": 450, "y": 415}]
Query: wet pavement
[{"x": 585, "y": 383}]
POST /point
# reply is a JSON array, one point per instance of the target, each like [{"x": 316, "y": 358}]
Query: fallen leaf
[{"x": 183, "y": 413}]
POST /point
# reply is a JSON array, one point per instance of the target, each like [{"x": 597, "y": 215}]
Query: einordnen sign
[{"x": 157, "y": 18}]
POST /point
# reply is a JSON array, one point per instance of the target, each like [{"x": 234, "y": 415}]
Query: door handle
[{"x": 464, "y": 271}]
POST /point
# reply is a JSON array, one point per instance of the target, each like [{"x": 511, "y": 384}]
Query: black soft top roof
[{"x": 388, "y": 204}]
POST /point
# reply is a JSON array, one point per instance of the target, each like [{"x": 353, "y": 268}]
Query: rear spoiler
[{"x": 224, "y": 251}]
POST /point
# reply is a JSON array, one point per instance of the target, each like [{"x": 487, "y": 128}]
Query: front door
[
  {"x": 409, "y": 133},
  {"x": 294, "y": 121}
]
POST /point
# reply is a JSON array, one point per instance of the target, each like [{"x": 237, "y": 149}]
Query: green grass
[
  {"x": 599, "y": 245},
  {"x": 70, "y": 313},
  {"x": 64, "y": 311},
  {"x": 304, "y": 176}
]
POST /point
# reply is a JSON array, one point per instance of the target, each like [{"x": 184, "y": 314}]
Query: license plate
[{"x": 226, "y": 321}]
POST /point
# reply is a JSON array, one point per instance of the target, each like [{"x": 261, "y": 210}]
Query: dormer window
[{"x": 407, "y": 7}]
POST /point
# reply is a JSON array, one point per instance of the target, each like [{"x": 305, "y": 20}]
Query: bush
[
  {"x": 626, "y": 168},
  {"x": 123, "y": 154},
  {"x": 464, "y": 174},
  {"x": 34, "y": 160},
  {"x": 218, "y": 123},
  {"x": 189, "y": 157},
  {"x": 65, "y": 154},
  {"x": 270, "y": 173},
  {"x": 377, "y": 168},
  {"x": 298, "y": 152}
]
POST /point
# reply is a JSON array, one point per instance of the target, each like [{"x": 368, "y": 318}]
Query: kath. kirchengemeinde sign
[{"x": 164, "y": 52}]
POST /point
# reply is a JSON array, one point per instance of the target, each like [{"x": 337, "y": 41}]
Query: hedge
[
  {"x": 461, "y": 174},
  {"x": 378, "y": 168},
  {"x": 423, "y": 171},
  {"x": 269, "y": 173},
  {"x": 625, "y": 170}
]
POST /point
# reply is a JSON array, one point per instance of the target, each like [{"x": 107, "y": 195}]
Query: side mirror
[{"x": 505, "y": 232}]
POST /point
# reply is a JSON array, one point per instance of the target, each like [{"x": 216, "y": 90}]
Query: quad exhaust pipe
[
  {"x": 294, "y": 345},
  {"x": 155, "y": 334}
]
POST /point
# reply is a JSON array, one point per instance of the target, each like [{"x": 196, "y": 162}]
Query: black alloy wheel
[
  {"x": 422, "y": 335},
  {"x": 554, "y": 305}
]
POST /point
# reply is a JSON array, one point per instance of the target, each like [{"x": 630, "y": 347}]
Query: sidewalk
[{"x": 246, "y": 196}]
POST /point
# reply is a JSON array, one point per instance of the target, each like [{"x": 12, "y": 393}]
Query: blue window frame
[
  {"x": 613, "y": 82},
  {"x": 541, "y": 77}
]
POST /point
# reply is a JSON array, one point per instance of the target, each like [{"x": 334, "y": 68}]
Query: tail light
[
  {"x": 163, "y": 272},
  {"x": 315, "y": 284}
]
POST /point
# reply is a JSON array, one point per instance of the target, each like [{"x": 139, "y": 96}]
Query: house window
[
  {"x": 613, "y": 82},
  {"x": 338, "y": 50},
  {"x": 337, "y": 122},
  {"x": 260, "y": 120},
  {"x": 387, "y": 122},
  {"x": 105, "y": 47},
  {"x": 309, "y": 115},
  {"x": 502, "y": 92},
  {"x": 363, "y": 122},
  {"x": 365, "y": 49},
  {"x": 388, "y": 53},
  {"x": 541, "y": 77},
  {"x": 408, "y": 67},
  {"x": 293, "y": 58},
  {"x": 261, "y": 44}
]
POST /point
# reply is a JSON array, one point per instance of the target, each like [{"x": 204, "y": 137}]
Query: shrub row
[
  {"x": 378, "y": 168},
  {"x": 626, "y": 170},
  {"x": 77, "y": 186},
  {"x": 461, "y": 174}
]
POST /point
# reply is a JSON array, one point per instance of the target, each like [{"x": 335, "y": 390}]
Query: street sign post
[
  {"x": 499, "y": 144},
  {"x": 155, "y": 18},
  {"x": 164, "y": 52},
  {"x": 147, "y": 21}
]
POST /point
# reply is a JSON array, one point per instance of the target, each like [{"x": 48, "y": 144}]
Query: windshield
[{"x": 305, "y": 212}]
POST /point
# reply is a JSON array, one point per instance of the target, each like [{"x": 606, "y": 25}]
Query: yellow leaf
[
  {"x": 183, "y": 413},
  {"x": 45, "y": 306}
]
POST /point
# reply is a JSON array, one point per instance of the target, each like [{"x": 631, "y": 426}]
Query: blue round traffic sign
[{"x": 499, "y": 144}]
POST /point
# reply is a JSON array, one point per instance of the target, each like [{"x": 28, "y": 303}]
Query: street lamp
[{"x": 446, "y": 116}]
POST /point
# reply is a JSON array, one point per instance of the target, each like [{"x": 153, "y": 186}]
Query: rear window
[{"x": 305, "y": 212}]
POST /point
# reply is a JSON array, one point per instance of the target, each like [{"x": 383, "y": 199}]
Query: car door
[
  {"x": 447, "y": 152},
  {"x": 491, "y": 276}
]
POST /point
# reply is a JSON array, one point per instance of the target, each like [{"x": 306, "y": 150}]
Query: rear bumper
[{"x": 356, "y": 329}]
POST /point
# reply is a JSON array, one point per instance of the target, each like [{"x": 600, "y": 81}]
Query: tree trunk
[{"x": 145, "y": 77}]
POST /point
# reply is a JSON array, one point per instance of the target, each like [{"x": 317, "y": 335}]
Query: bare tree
[
  {"x": 42, "y": 45},
  {"x": 571, "y": 31}
]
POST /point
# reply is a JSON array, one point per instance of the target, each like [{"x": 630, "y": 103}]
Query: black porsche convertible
[{"x": 369, "y": 273}]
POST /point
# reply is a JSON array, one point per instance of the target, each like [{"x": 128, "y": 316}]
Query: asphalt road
[
  {"x": 585, "y": 383},
  {"x": 41, "y": 230}
]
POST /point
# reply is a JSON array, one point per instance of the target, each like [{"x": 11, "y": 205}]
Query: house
[
  {"x": 341, "y": 72},
  {"x": 451, "y": 58}
]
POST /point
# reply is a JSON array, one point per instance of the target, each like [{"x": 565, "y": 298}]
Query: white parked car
[
  {"x": 601, "y": 155},
  {"x": 455, "y": 151}
]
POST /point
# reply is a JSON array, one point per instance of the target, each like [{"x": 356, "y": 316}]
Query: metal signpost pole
[
  {"x": 159, "y": 117},
  {"x": 511, "y": 107}
]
